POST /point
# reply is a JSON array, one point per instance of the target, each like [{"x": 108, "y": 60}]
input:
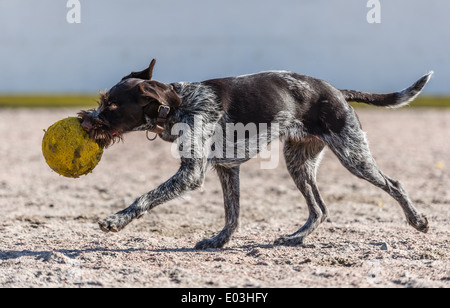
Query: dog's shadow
[{"x": 49, "y": 255}]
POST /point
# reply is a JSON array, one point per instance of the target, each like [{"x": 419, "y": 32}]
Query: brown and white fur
[{"x": 309, "y": 114}]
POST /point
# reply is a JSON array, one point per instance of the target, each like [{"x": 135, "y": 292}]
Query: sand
[{"x": 50, "y": 237}]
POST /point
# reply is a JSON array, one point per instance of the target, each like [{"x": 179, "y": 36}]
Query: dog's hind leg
[
  {"x": 229, "y": 179},
  {"x": 351, "y": 147},
  {"x": 302, "y": 160}
]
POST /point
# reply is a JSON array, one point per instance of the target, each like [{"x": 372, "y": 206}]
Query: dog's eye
[{"x": 112, "y": 106}]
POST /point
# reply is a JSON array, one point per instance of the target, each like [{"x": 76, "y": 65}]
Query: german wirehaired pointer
[{"x": 309, "y": 114}]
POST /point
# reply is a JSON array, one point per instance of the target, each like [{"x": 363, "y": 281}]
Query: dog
[{"x": 309, "y": 114}]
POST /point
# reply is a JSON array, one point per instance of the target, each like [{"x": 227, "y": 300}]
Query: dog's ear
[
  {"x": 157, "y": 91},
  {"x": 145, "y": 74}
]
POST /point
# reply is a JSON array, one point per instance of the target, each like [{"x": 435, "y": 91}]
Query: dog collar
[{"x": 163, "y": 112}]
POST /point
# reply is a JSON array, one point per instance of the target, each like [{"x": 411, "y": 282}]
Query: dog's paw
[
  {"x": 113, "y": 223},
  {"x": 420, "y": 223},
  {"x": 209, "y": 243},
  {"x": 289, "y": 240}
]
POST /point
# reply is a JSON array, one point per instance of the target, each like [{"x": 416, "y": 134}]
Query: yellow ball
[{"x": 68, "y": 150}]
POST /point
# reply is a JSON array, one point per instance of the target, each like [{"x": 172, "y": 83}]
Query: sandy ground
[{"x": 50, "y": 238}]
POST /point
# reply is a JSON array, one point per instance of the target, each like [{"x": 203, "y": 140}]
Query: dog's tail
[{"x": 391, "y": 100}]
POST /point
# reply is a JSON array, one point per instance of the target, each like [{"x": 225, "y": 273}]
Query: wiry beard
[{"x": 101, "y": 130}]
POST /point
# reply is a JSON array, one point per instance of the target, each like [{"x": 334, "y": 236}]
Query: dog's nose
[{"x": 86, "y": 125}]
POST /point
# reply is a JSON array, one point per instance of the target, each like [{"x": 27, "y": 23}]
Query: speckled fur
[{"x": 307, "y": 113}]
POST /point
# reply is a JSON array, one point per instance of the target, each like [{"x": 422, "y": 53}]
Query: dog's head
[{"x": 130, "y": 104}]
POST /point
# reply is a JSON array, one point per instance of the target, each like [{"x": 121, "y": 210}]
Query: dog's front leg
[
  {"x": 229, "y": 178},
  {"x": 189, "y": 177}
]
